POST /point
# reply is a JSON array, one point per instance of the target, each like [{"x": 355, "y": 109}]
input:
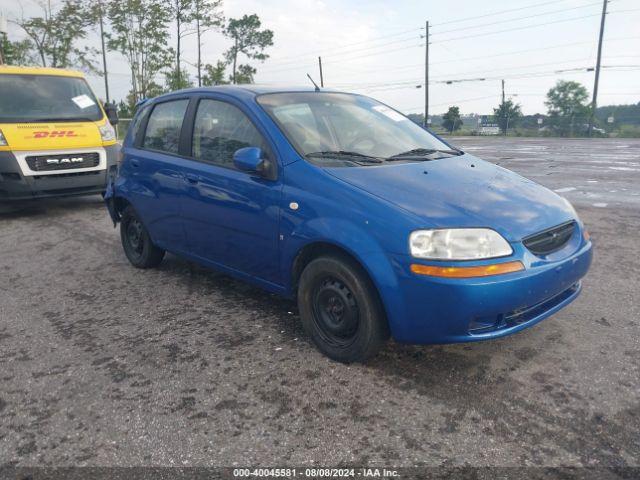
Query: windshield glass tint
[
  {"x": 331, "y": 122},
  {"x": 41, "y": 98}
]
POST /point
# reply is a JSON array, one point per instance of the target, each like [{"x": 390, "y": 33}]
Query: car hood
[{"x": 463, "y": 191}]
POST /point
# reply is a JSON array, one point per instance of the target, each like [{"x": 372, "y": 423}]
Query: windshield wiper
[
  {"x": 420, "y": 153},
  {"x": 343, "y": 154}
]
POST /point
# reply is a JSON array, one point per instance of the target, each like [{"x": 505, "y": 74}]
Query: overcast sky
[{"x": 374, "y": 47}]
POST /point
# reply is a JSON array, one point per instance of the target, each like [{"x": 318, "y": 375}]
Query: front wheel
[
  {"x": 138, "y": 248},
  {"x": 340, "y": 309}
]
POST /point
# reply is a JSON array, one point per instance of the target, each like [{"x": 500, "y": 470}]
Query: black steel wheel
[
  {"x": 137, "y": 244},
  {"x": 340, "y": 309},
  {"x": 335, "y": 312}
]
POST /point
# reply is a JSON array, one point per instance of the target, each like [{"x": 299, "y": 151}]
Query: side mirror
[
  {"x": 249, "y": 159},
  {"x": 112, "y": 113}
]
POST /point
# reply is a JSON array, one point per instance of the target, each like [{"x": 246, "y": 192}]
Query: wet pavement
[
  {"x": 103, "y": 364},
  {"x": 598, "y": 172}
]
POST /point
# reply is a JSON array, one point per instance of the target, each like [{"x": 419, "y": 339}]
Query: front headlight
[
  {"x": 458, "y": 244},
  {"x": 3, "y": 141},
  {"x": 107, "y": 132}
]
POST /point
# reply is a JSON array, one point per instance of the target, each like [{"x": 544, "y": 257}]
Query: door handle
[
  {"x": 135, "y": 163},
  {"x": 191, "y": 178}
]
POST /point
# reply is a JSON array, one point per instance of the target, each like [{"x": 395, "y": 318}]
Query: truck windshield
[
  {"x": 46, "y": 98},
  {"x": 345, "y": 127}
]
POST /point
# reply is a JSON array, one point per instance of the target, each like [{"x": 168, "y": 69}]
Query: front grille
[
  {"x": 550, "y": 240},
  {"x": 41, "y": 163}
]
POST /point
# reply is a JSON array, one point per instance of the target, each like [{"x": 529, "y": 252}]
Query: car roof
[
  {"x": 243, "y": 91},
  {"x": 61, "y": 72}
]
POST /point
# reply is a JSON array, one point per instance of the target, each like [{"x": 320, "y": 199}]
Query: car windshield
[
  {"x": 347, "y": 129},
  {"x": 46, "y": 98}
]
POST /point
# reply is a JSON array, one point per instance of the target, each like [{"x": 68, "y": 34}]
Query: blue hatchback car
[{"x": 375, "y": 225}]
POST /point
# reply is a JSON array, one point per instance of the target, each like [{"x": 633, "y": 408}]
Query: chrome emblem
[{"x": 60, "y": 161}]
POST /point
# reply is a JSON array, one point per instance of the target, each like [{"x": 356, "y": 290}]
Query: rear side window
[
  {"x": 219, "y": 130},
  {"x": 164, "y": 125}
]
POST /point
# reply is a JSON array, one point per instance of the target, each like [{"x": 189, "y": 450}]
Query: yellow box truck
[{"x": 55, "y": 137}]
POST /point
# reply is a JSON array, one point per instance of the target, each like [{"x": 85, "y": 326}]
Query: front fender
[{"x": 356, "y": 241}]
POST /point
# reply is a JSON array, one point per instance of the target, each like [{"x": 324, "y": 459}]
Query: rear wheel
[
  {"x": 340, "y": 309},
  {"x": 138, "y": 248}
]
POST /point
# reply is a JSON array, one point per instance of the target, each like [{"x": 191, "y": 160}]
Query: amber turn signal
[{"x": 467, "y": 272}]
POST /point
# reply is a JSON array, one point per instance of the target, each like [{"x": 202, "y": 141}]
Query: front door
[{"x": 231, "y": 217}]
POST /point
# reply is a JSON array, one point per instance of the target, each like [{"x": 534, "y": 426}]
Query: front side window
[
  {"x": 46, "y": 98},
  {"x": 164, "y": 126},
  {"x": 219, "y": 130},
  {"x": 132, "y": 132},
  {"x": 338, "y": 127}
]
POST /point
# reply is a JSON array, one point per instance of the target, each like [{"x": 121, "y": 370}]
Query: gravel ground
[{"x": 105, "y": 365}]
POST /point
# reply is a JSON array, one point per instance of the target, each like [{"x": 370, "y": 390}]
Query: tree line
[
  {"x": 568, "y": 111},
  {"x": 149, "y": 34}
]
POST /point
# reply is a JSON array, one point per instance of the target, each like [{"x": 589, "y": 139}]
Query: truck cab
[{"x": 55, "y": 137}]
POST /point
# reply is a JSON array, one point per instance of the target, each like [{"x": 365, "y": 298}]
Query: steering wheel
[{"x": 362, "y": 143}]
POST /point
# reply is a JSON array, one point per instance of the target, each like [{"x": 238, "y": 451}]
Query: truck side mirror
[{"x": 112, "y": 113}]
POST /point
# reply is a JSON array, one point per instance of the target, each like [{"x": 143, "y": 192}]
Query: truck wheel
[
  {"x": 138, "y": 248},
  {"x": 340, "y": 309}
]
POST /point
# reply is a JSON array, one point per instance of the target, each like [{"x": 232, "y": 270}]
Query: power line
[
  {"x": 518, "y": 18},
  {"x": 516, "y": 28},
  {"x": 414, "y": 83},
  {"x": 504, "y": 54},
  {"x": 409, "y": 39},
  {"x": 296, "y": 67},
  {"x": 381, "y": 52},
  {"x": 294, "y": 58},
  {"x": 372, "y": 47},
  {"x": 492, "y": 14},
  {"x": 444, "y": 79}
]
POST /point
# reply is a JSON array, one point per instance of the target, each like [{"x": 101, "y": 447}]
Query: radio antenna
[{"x": 314, "y": 83}]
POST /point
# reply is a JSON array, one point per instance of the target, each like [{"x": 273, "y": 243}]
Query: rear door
[
  {"x": 231, "y": 217},
  {"x": 157, "y": 182}
]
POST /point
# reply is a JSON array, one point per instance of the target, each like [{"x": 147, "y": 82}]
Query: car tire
[
  {"x": 341, "y": 310},
  {"x": 136, "y": 242}
]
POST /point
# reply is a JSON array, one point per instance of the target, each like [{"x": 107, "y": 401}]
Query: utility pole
[
  {"x": 199, "y": 44},
  {"x": 502, "y": 106},
  {"x": 320, "y": 66},
  {"x": 594, "y": 101},
  {"x": 426, "y": 74},
  {"x": 235, "y": 58},
  {"x": 104, "y": 53}
]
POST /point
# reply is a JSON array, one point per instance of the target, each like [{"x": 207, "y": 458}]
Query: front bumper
[
  {"x": 15, "y": 186},
  {"x": 443, "y": 310}
]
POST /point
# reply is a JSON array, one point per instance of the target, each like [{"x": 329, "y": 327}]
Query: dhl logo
[{"x": 55, "y": 134}]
